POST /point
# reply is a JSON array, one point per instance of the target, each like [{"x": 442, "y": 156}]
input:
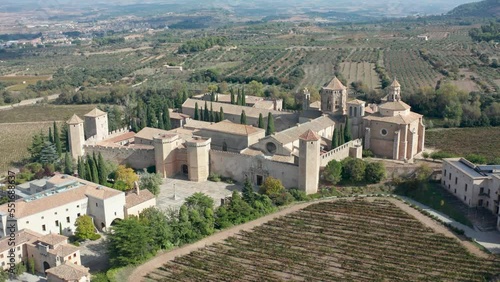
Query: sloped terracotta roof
[
  {"x": 398, "y": 119},
  {"x": 69, "y": 271},
  {"x": 394, "y": 106},
  {"x": 132, "y": 199},
  {"x": 74, "y": 120},
  {"x": 148, "y": 133},
  {"x": 309, "y": 135},
  {"x": 95, "y": 113},
  {"x": 395, "y": 83},
  {"x": 227, "y": 126},
  {"x": 356, "y": 102},
  {"x": 21, "y": 237},
  {"x": 335, "y": 84},
  {"x": 53, "y": 239}
]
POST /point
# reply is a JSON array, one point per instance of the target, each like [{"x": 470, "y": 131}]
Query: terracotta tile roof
[
  {"x": 309, "y": 135},
  {"x": 69, "y": 271},
  {"x": 74, "y": 120},
  {"x": 95, "y": 113},
  {"x": 227, "y": 126},
  {"x": 316, "y": 105},
  {"x": 64, "y": 250},
  {"x": 334, "y": 84},
  {"x": 196, "y": 124},
  {"x": 148, "y": 133},
  {"x": 230, "y": 108},
  {"x": 398, "y": 119},
  {"x": 132, "y": 199},
  {"x": 120, "y": 138},
  {"x": 395, "y": 106},
  {"x": 52, "y": 239},
  {"x": 22, "y": 236},
  {"x": 356, "y": 102},
  {"x": 175, "y": 115},
  {"x": 292, "y": 134},
  {"x": 395, "y": 83},
  {"x": 47, "y": 202}
]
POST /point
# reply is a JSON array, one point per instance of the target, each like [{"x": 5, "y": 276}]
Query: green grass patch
[
  {"x": 483, "y": 141},
  {"x": 433, "y": 196}
]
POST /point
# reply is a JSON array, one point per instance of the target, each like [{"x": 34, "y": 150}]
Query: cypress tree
[
  {"x": 103, "y": 175},
  {"x": 243, "y": 117},
  {"x": 201, "y": 114},
  {"x": 166, "y": 119},
  {"x": 335, "y": 138},
  {"x": 270, "y": 124},
  {"x": 65, "y": 137},
  {"x": 248, "y": 194},
  {"x": 184, "y": 96},
  {"x": 51, "y": 139},
  {"x": 232, "y": 96},
  {"x": 243, "y": 98},
  {"x": 141, "y": 114},
  {"x": 81, "y": 168},
  {"x": 68, "y": 164},
  {"x": 57, "y": 140},
  {"x": 196, "y": 114},
  {"x": 161, "y": 125},
  {"x": 238, "y": 98},
  {"x": 347, "y": 133},
  {"x": 206, "y": 113},
  {"x": 221, "y": 114},
  {"x": 261, "y": 121},
  {"x": 212, "y": 117},
  {"x": 94, "y": 174},
  {"x": 341, "y": 135},
  {"x": 88, "y": 171}
]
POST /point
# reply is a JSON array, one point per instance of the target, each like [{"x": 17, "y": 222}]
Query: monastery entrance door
[{"x": 185, "y": 169}]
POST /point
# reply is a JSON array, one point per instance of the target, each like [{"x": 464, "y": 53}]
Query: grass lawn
[
  {"x": 44, "y": 112},
  {"x": 434, "y": 196},
  {"x": 483, "y": 141}
]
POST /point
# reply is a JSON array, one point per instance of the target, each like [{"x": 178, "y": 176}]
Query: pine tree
[
  {"x": 347, "y": 133},
  {"x": 243, "y": 117},
  {"x": 103, "y": 175},
  {"x": 166, "y": 119},
  {"x": 270, "y": 124},
  {"x": 335, "y": 139},
  {"x": 81, "y": 168},
  {"x": 248, "y": 194},
  {"x": 48, "y": 154},
  {"x": 196, "y": 113},
  {"x": 232, "y": 96},
  {"x": 211, "y": 119},
  {"x": 51, "y": 139},
  {"x": 206, "y": 113},
  {"x": 68, "y": 164},
  {"x": 261, "y": 121},
  {"x": 57, "y": 140},
  {"x": 221, "y": 114}
]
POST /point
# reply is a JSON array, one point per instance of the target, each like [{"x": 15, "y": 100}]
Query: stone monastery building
[{"x": 294, "y": 154}]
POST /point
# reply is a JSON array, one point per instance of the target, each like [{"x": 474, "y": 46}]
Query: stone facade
[{"x": 334, "y": 97}]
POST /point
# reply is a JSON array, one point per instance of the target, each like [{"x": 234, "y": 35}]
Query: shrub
[
  {"x": 95, "y": 236},
  {"x": 283, "y": 199},
  {"x": 214, "y": 177},
  {"x": 368, "y": 154},
  {"x": 374, "y": 172},
  {"x": 475, "y": 158},
  {"x": 298, "y": 195},
  {"x": 333, "y": 172},
  {"x": 439, "y": 155},
  {"x": 353, "y": 170}
]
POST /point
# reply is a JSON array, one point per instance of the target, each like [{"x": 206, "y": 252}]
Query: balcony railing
[{"x": 484, "y": 195}]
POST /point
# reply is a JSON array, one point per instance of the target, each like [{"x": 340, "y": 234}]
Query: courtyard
[{"x": 174, "y": 191}]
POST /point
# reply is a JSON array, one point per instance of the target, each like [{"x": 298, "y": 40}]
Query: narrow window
[
  {"x": 43, "y": 228},
  {"x": 68, "y": 220}
]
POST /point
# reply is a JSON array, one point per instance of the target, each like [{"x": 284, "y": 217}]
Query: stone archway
[
  {"x": 185, "y": 169},
  {"x": 46, "y": 266}
]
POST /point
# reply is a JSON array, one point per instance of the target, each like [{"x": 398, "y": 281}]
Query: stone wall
[
  {"x": 238, "y": 166},
  {"x": 340, "y": 152},
  {"x": 136, "y": 158}
]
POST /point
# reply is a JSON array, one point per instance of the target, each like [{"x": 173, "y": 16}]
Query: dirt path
[{"x": 141, "y": 271}]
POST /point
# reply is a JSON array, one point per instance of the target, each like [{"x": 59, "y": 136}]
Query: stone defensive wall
[
  {"x": 93, "y": 139},
  {"x": 339, "y": 153},
  {"x": 137, "y": 158},
  {"x": 238, "y": 167}
]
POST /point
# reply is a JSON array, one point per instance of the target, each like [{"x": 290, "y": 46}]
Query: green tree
[
  {"x": 85, "y": 228},
  {"x": 130, "y": 242},
  {"x": 272, "y": 187},
  {"x": 374, "y": 172},
  {"x": 248, "y": 193},
  {"x": 159, "y": 227},
  {"x": 48, "y": 154},
  {"x": 151, "y": 182},
  {"x": 64, "y": 136},
  {"x": 347, "y": 132},
  {"x": 94, "y": 174},
  {"x": 31, "y": 265},
  {"x": 51, "y": 139},
  {"x": 243, "y": 97},
  {"x": 68, "y": 164},
  {"x": 81, "y": 168},
  {"x": 243, "y": 117},
  {"x": 333, "y": 172},
  {"x": 196, "y": 113},
  {"x": 256, "y": 88},
  {"x": 101, "y": 170},
  {"x": 353, "y": 170},
  {"x": 88, "y": 171},
  {"x": 19, "y": 269},
  {"x": 221, "y": 114},
  {"x": 261, "y": 121},
  {"x": 37, "y": 144},
  {"x": 161, "y": 125},
  {"x": 341, "y": 135},
  {"x": 166, "y": 118},
  {"x": 211, "y": 118},
  {"x": 233, "y": 101},
  {"x": 206, "y": 113},
  {"x": 270, "y": 124},
  {"x": 4, "y": 275},
  {"x": 335, "y": 138},
  {"x": 127, "y": 175},
  {"x": 57, "y": 140}
]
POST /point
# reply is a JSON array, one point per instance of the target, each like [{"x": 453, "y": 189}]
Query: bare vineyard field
[
  {"x": 15, "y": 139},
  {"x": 411, "y": 70},
  {"x": 364, "y": 72},
  {"x": 334, "y": 241},
  {"x": 319, "y": 66},
  {"x": 43, "y": 113},
  {"x": 364, "y": 55}
]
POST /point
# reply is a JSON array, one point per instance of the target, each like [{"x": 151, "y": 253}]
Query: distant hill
[{"x": 486, "y": 8}]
